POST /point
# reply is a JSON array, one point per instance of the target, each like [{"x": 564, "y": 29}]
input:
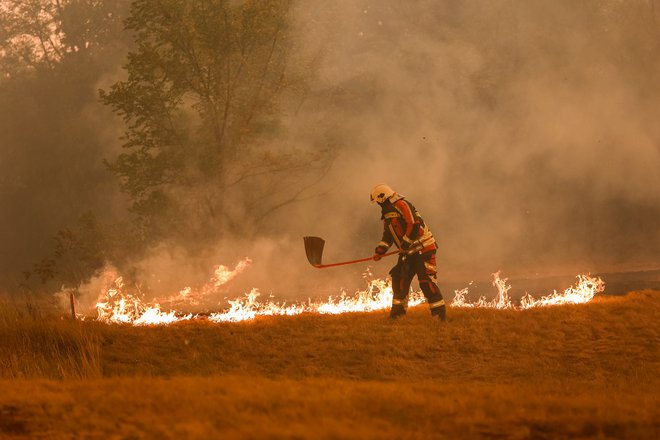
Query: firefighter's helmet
[{"x": 381, "y": 192}]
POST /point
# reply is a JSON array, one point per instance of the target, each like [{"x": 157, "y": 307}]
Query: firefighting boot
[
  {"x": 397, "y": 310},
  {"x": 439, "y": 312}
]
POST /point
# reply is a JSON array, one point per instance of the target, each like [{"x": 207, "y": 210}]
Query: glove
[
  {"x": 410, "y": 247},
  {"x": 406, "y": 244},
  {"x": 378, "y": 252}
]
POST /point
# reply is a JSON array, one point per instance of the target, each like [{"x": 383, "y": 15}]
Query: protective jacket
[{"x": 404, "y": 226}]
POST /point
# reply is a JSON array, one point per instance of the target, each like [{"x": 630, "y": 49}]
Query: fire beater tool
[{"x": 314, "y": 251}]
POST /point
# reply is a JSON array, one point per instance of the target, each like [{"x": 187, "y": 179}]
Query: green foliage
[
  {"x": 43, "y": 34},
  {"x": 78, "y": 253},
  {"x": 201, "y": 95}
]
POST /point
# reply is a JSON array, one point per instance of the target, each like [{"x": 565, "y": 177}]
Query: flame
[
  {"x": 377, "y": 296},
  {"x": 582, "y": 292},
  {"x": 221, "y": 276},
  {"x": 119, "y": 306}
]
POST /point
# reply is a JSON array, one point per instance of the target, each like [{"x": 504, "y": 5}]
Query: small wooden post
[{"x": 73, "y": 304}]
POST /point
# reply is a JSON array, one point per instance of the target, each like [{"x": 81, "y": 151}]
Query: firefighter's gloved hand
[
  {"x": 378, "y": 252},
  {"x": 406, "y": 244},
  {"x": 411, "y": 247}
]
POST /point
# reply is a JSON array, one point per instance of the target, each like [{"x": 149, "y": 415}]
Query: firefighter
[{"x": 403, "y": 226}]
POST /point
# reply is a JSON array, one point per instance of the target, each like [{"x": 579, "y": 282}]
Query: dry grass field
[{"x": 585, "y": 371}]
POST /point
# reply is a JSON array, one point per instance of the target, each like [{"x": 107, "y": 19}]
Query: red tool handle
[{"x": 321, "y": 266}]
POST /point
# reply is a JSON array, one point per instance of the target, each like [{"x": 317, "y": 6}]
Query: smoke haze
[{"x": 525, "y": 132}]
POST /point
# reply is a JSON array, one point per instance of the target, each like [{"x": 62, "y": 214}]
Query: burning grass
[
  {"x": 586, "y": 370},
  {"x": 117, "y": 305}
]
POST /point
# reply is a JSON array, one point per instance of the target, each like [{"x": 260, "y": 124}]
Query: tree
[
  {"x": 200, "y": 106},
  {"x": 78, "y": 254},
  {"x": 53, "y": 53},
  {"x": 31, "y": 35},
  {"x": 40, "y": 34}
]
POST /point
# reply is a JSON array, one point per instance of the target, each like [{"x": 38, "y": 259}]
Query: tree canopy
[{"x": 200, "y": 107}]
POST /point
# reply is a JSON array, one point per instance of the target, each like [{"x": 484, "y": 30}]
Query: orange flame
[
  {"x": 377, "y": 296},
  {"x": 123, "y": 308},
  {"x": 118, "y": 306},
  {"x": 582, "y": 292}
]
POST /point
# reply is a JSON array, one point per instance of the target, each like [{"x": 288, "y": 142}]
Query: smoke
[
  {"x": 525, "y": 132},
  {"x": 51, "y": 168},
  {"x": 54, "y": 133}
]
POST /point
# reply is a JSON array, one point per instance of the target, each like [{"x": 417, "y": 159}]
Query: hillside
[{"x": 588, "y": 371}]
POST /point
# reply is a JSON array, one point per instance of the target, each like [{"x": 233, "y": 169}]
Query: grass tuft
[{"x": 37, "y": 346}]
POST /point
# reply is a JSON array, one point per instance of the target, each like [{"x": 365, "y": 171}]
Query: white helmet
[{"x": 381, "y": 192}]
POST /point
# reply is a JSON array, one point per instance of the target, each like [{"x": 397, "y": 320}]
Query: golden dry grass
[
  {"x": 32, "y": 345},
  {"x": 585, "y": 371}
]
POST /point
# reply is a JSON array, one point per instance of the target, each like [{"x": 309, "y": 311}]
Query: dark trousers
[{"x": 424, "y": 267}]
